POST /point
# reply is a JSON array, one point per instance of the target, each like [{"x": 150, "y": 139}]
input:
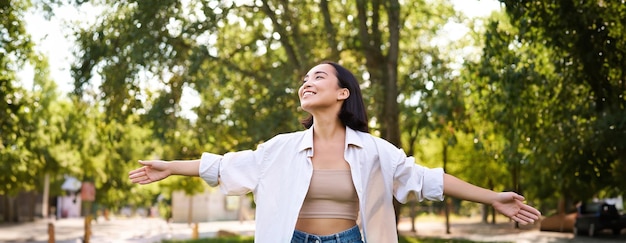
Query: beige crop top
[{"x": 331, "y": 195}]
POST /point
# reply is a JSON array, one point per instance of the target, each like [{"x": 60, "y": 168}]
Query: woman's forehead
[{"x": 326, "y": 68}]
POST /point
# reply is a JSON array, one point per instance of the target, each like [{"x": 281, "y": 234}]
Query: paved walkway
[
  {"x": 148, "y": 230},
  {"x": 472, "y": 229},
  {"x": 136, "y": 230}
]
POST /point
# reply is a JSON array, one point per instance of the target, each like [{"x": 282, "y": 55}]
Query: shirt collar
[
  {"x": 307, "y": 140},
  {"x": 352, "y": 138}
]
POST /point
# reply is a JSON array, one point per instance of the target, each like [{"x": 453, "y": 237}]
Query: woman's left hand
[{"x": 512, "y": 205}]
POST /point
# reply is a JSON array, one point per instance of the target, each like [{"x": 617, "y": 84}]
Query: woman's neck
[{"x": 327, "y": 129}]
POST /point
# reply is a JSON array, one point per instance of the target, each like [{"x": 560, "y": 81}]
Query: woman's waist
[{"x": 324, "y": 226}]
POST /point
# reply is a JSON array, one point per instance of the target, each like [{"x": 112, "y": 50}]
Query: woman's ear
[{"x": 343, "y": 94}]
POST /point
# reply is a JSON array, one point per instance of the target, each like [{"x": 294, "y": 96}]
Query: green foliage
[
  {"x": 245, "y": 61},
  {"x": 541, "y": 111},
  {"x": 553, "y": 93},
  {"x": 123, "y": 145},
  {"x": 16, "y": 49},
  {"x": 510, "y": 88},
  {"x": 15, "y": 44},
  {"x": 589, "y": 41}
]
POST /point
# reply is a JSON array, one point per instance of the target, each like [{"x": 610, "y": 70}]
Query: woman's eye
[{"x": 318, "y": 77}]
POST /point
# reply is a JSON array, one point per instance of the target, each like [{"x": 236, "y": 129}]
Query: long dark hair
[{"x": 352, "y": 113}]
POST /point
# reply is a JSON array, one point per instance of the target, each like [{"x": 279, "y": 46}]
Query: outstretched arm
[
  {"x": 156, "y": 170},
  {"x": 509, "y": 204}
]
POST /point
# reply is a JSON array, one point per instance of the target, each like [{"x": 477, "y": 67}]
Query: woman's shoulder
[
  {"x": 290, "y": 135},
  {"x": 384, "y": 150},
  {"x": 286, "y": 138},
  {"x": 371, "y": 141}
]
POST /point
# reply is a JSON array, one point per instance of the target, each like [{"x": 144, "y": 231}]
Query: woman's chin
[{"x": 305, "y": 107}]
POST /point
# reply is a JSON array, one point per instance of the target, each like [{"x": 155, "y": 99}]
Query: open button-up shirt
[{"x": 279, "y": 171}]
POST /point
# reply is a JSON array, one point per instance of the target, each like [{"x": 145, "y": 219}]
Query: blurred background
[{"x": 516, "y": 95}]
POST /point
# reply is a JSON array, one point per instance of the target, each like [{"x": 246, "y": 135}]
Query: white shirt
[{"x": 279, "y": 171}]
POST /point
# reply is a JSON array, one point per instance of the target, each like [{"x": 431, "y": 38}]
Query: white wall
[{"x": 210, "y": 206}]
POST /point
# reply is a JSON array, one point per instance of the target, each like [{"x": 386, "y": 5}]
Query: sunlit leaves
[
  {"x": 16, "y": 49},
  {"x": 553, "y": 97},
  {"x": 589, "y": 38}
]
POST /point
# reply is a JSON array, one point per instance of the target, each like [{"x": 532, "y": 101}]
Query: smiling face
[{"x": 320, "y": 89}]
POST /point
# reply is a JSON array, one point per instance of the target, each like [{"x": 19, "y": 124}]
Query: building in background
[{"x": 212, "y": 205}]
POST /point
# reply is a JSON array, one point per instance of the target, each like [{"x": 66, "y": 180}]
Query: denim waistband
[{"x": 352, "y": 235}]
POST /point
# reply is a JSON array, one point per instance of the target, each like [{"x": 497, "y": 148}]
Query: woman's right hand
[{"x": 151, "y": 171}]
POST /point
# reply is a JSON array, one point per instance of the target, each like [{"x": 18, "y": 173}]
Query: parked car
[{"x": 595, "y": 217}]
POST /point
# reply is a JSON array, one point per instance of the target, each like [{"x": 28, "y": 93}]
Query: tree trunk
[
  {"x": 190, "y": 210},
  {"x": 484, "y": 214},
  {"x": 413, "y": 212},
  {"x": 391, "y": 110},
  {"x": 446, "y": 201},
  {"x": 11, "y": 209},
  {"x": 383, "y": 68},
  {"x": 487, "y": 209},
  {"x": 561, "y": 207},
  {"x": 46, "y": 194}
]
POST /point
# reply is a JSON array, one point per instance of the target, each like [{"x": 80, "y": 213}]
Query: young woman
[{"x": 333, "y": 182}]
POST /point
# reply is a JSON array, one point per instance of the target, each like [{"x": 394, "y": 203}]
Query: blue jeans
[{"x": 352, "y": 235}]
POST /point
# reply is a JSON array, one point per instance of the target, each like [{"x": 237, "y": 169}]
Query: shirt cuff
[
  {"x": 209, "y": 169},
  {"x": 433, "y": 186}
]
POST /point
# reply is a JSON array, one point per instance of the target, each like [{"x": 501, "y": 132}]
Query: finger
[
  {"x": 137, "y": 173},
  {"x": 520, "y": 220},
  {"x": 516, "y": 219},
  {"x": 530, "y": 214},
  {"x": 143, "y": 180},
  {"x": 146, "y": 181},
  {"x": 145, "y": 163},
  {"x": 136, "y": 176},
  {"x": 138, "y": 170},
  {"x": 527, "y": 207},
  {"x": 514, "y": 196},
  {"x": 525, "y": 218},
  {"x": 530, "y": 209}
]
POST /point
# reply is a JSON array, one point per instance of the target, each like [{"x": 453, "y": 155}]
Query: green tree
[
  {"x": 506, "y": 92},
  {"x": 539, "y": 101},
  {"x": 50, "y": 152},
  {"x": 108, "y": 151},
  {"x": 588, "y": 42},
  {"x": 244, "y": 60},
  {"x": 16, "y": 49}
]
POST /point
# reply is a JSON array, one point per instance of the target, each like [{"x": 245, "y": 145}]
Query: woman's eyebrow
[{"x": 317, "y": 72}]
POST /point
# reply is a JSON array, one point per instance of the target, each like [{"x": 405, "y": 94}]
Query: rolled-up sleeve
[
  {"x": 210, "y": 168},
  {"x": 236, "y": 173},
  {"x": 432, "y": 188},
  {"x": 427, "y": 183}
]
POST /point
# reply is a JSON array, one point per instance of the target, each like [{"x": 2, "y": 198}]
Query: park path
[
  {"x": 473, "y": 229},
  {"x": 136, "y": 230},
  {"x": 148, "y": 230}
]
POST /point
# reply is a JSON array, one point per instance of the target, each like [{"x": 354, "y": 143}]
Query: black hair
[{"x": 352, "y": 113}]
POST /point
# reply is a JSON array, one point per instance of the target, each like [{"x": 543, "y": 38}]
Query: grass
[{"x": 248, "y": 239}]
